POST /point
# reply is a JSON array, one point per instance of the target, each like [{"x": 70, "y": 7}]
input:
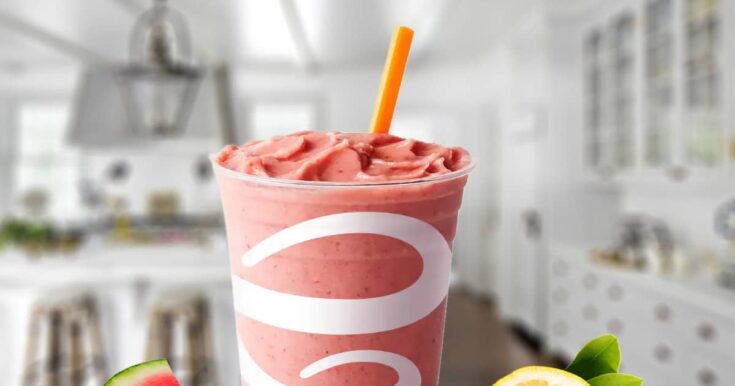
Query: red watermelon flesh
[
  {"x": 152, "y": 373},
  {"x": 159, "y": 380}
]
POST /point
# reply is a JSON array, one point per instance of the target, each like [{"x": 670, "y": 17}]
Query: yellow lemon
[{"x": 541, "y": 376}]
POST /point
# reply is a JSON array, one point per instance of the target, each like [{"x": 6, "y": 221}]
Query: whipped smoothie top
[{"x": 342, "y": 157}]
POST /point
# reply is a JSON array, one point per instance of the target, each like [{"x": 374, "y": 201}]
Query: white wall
[
  {"x": 39, "y": 81},
  {"x": 7, "y": 139}
]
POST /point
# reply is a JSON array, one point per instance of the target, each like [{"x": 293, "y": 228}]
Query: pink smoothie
[{"x": 269, "y": 186}]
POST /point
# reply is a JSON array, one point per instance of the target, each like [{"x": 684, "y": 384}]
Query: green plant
[{"x": 24, "y": 233}]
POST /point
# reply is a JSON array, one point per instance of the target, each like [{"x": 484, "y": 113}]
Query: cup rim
[{"x": 221, "y": 170}]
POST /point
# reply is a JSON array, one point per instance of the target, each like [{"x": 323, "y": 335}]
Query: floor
[{"x": 478, "y": 347}]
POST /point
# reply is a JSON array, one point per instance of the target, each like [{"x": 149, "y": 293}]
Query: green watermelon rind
[{"x": 135, "y": 374}]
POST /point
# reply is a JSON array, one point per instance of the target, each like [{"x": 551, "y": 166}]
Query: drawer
[
  {"x": 706, "y": 370},
  {"x": 648, "y": 350},
  {"x": 649, "y": 371},
  {"x": 706, "y": 332},
  {"x": 661, "y": 360},
  {"x": 666, "y": 340},
  {"x": 577, "y": 286}
]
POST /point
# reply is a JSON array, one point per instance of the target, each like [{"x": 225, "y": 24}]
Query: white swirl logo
[{"x": 346, "y": 316}]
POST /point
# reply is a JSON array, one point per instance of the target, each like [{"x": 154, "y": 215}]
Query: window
[
  {"x": 47, "y": 165},
  {"x": 427, "y": 126},
  {"x": 270, "y": 118}
]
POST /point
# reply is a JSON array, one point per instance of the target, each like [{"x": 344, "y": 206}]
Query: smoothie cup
[{"x": 340, "y": 283}]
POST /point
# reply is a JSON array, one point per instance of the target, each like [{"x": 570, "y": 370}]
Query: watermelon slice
[{"x": 153, "y": 373}]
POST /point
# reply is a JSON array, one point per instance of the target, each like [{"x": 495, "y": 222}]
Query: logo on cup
[{"x": 346, "y": 316}]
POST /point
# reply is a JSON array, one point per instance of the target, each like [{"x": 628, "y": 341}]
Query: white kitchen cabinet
[
  {"x": 658, "y": 132},
  {"x": 523, "y": 139},
  {"x": 610, "y": 58},
  {"x": 670, "y": 333},
  {"x": 709, "y": 371},
  {"x": 125, "y": 282},
  {"x": 703, "y": 61},
  {"x": 657, "y": 100}
]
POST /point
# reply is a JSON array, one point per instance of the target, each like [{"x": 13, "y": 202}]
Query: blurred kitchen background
[{"x": 603, "y": 199}]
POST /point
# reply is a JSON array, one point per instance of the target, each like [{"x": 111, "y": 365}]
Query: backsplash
[
  {"x": 689, "y": 214},
  {"x": 139, "y": 177}
]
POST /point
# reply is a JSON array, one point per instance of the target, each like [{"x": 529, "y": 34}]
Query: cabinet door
[
  {"x": 577, "y": 312},
  {"x": 593, "y": 52},
  {"x": 709, "y": 371},
  {"x": 666, "y": 59},
  {"x": 523, "y": 262},
  {"x": 659, "y": 128},
  {"x": 610, "y": 57},
  {"x": 622, "y": 90},
  {"x": 704, "y": 137}
]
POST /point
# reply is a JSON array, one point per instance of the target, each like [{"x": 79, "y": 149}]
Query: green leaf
[
  {"x": 615, "y": 380},
  {"x": 598, "y": 357}
]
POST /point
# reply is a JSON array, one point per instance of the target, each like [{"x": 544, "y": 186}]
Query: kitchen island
[{"x": 127, "y": 281}]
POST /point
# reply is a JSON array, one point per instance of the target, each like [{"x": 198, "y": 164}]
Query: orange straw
[{"x": 395, "y": 64}]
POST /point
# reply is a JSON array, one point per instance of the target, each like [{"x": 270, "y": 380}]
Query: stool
[
  {"x": 180, "y": 331},
  {"x": 65, "y": 343}
]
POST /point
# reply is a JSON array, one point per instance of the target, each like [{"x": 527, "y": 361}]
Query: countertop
[
  {"x": 697, "y": 289},
  {"x": 100, "y": 260}
]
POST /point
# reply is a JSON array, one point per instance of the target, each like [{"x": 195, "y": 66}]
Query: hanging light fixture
[{"x": 161, "y": 81}]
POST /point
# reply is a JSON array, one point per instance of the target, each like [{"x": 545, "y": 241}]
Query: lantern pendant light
[{"x": 161, "y": 81}]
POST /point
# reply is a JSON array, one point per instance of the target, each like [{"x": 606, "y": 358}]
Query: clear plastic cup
[{"x": 340, "y": 283}]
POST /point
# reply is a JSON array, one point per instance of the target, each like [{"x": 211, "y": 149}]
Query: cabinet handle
[
  {"x": 678, "y": 173},
  {"x": 662, "y": 353},
  {"x": 707, "y": 332},
  {"x": 663, "y": 313},
  {"x": 707, "y": 377},
  {"x": 532, "y": 222},
  {"x": 616, "y": 326}
]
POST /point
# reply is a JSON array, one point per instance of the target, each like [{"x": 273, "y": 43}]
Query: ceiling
[{"x": 303, "y": 33}]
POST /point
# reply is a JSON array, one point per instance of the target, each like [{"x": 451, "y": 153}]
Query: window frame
[{"x": 17, "y": 158}]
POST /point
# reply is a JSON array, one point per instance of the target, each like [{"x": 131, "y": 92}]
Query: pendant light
[{"x": 161, "y": 81}]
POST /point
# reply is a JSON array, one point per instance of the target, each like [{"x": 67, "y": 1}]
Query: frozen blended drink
[{"x": 340, "y": 249}]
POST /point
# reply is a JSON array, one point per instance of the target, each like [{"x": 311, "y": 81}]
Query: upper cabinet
[
  {"x": 655, "y": 101},
  {"x": 594, "y": 106},
  {"x": 704, "y": 134},
  {"x": 659, "y": 124},
  {"x": 609, "y": 57}
]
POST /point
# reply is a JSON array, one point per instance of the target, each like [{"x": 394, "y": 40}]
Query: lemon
[{"x": 541, "y": 376}]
